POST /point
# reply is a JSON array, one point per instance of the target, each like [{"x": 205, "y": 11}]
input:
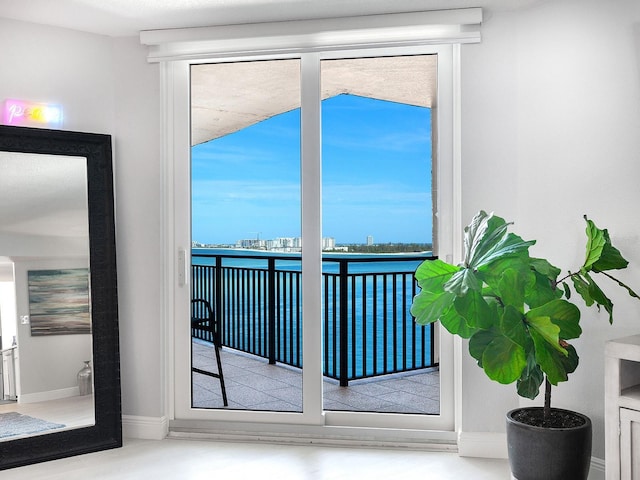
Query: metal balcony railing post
[
  {"x": 344, "y": 337},
  {"x": 218, "y": 301},
  {"x": 271, "y": 347}
]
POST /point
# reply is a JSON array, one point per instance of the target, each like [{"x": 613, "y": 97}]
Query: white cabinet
[
  {"x": 629, "y": 443},
  {"x": 622, "y": 408}
]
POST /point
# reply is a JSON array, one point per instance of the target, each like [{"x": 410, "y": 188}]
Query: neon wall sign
[{"x": 30, "y": 114}]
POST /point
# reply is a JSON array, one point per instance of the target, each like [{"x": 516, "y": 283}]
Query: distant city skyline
[
  {"x": 295, "y": 244},
  {"x": 376, "y": 172},
  {"x": 367, "y": 241}
]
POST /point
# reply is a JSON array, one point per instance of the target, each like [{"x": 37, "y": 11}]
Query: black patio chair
[{"x": 202, "y": 318}]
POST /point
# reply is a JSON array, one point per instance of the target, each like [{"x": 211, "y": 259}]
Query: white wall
[
  {"x": 551, "y": 115},
  {"x": 75, "y": 70},
  {"x": 138, "y": 231},
  {"x": 550, "y": 108},
  {"x": 16, "y": 245}
]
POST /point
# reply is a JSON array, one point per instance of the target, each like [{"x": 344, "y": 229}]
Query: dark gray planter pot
[{"x": 537, "y": 453}]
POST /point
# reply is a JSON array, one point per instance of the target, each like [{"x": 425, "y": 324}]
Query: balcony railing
[{"x": 368, "y": 329}]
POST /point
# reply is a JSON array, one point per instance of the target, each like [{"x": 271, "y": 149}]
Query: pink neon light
[{"x": 21, "y": 113}]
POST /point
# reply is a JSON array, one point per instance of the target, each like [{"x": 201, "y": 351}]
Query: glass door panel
[
  {"x": 246, "y": 246},
  {"x": 377, "y": 227}
]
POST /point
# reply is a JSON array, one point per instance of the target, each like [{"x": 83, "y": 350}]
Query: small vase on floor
[{"x": 84, "y": 379}]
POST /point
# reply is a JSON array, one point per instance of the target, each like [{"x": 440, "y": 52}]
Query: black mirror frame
[{"x": 107, "y": 431}]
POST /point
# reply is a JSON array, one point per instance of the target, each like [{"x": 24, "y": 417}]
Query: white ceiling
[
  {"x": 43, "y": 195},
  {"x": 129, "y": 17}
]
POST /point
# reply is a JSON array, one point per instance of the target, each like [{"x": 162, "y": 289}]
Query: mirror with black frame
[{"x": 60, "y": 380}]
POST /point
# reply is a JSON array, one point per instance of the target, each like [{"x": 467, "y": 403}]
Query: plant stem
[
  {"x": 565, "y": 277},
  {"x": 547, "y": 402}
]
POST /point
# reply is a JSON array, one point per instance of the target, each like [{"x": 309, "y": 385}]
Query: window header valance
[{"x": 398, "y": 29}]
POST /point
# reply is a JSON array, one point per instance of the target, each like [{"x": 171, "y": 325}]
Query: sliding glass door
[{"x": 313, "y": 183}]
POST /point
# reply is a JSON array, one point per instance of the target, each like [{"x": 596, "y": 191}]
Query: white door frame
[{"x": 176, "y": 228}]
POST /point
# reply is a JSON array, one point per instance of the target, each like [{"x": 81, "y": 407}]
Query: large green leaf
[
  {"x": 582, "y": 287},
  {"x": 545, "y": 329},
  {"x": 456, "y": 324},
  {"x": 512, "y": 325},
  {"x": 570, "y": 362},
  {"x": 474, "y": 232},
  {"x": 474, "y": 309},
  {"x": 542, "y": 291},
  {"x": 503, "y": 360},
  {"x": 543, "y": 267},
  {"x": 611, "y": 258},
  {"x": 511, "y": 244},
  {"x": 595, "y": 244},
  {"x": 528, "y": 385},
  {"x": 433, "y": 274},
  {"x": 513, "y": 285},
  {"x": 549, "y": 359},
  {"x": 462, "y": 282},
  {"x": 491, "y": 276},
  {"x": 479, "y": 342},
  {"x": 601, "y": 254},
  {"x": 481, "y": 234},
  {"x": 428, "y": 307},
  {"x": 563, "y": 314},
  {"x": 592, "y": 293},
  {"x": 486, "y": 239},
  {"x": 432, "y": 301}
]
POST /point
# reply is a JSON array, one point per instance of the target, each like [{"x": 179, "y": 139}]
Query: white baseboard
[
  {"x": 596, "y": 472},
  {"x": 482, "y": 444},
  {"x": 147, "y": 428},
  {"x": 49, "y": 395}
]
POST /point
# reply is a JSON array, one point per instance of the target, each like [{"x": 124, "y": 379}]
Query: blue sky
[{"x": 376, "y": 169}]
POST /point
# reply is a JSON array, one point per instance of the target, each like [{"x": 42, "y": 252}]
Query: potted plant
[{"x": 516, "y": 312}]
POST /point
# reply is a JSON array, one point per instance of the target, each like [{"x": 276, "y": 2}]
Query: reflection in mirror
[
  {"x": 60, "y": 378},
  {"x": 45, "y": 322}
]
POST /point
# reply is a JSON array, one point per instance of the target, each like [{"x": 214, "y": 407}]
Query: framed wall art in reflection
[{"x": 59, "y": 301}]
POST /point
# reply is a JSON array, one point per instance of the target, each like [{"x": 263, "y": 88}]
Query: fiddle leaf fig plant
[{"x": 513, "y": 308}]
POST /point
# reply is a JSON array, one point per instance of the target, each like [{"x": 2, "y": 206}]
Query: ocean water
[
  {"x": 258, "y": 259},
  {"x": 381, "y": 334}
]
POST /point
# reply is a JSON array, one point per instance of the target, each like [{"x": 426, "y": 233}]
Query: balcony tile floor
[{"x": 253, "y": 384}]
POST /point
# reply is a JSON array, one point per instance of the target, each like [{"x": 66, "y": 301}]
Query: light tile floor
[
  {"x": 197, "y": 459},
  {"x": 204, "y": 459},
  {"x": 71, "y": 412},
  {"x": 253, "y": 384}
]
